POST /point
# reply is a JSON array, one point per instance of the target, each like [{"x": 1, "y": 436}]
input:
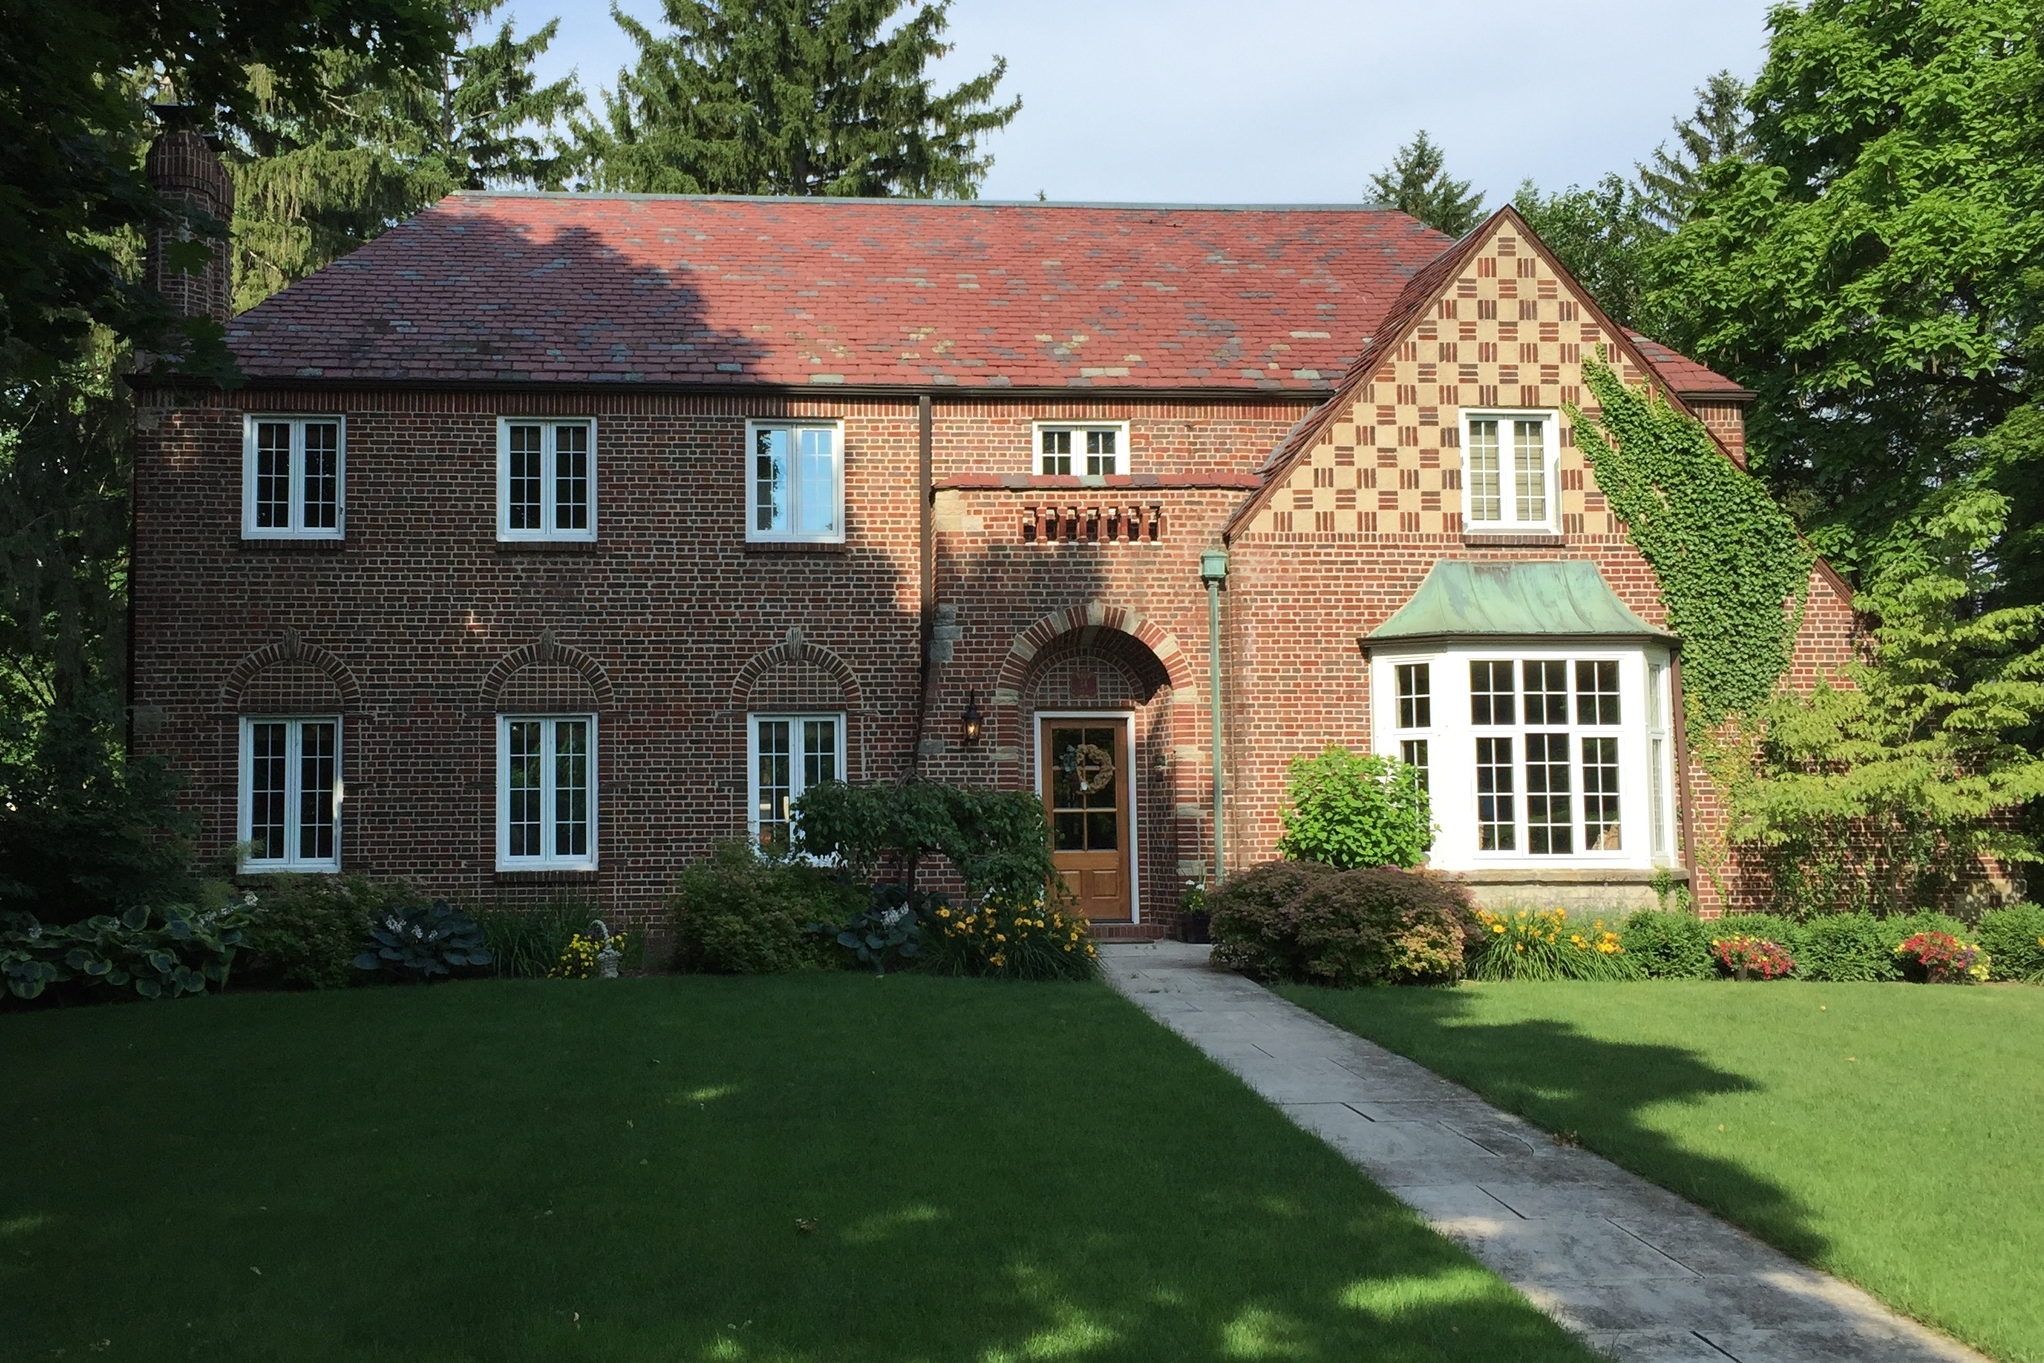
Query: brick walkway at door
[{"x": 1632, "y": 1268}]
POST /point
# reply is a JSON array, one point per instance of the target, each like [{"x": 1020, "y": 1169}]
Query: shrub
[
  {"x": 1844, "y": 947},
  {"x": 1347, "y": 809},
  {"x": 1668, "y": 945},
  {"x": 1307, "y": 921},
  {"x": 1748, "y": 956},
  {"x": 741, "y": 913},
  {"x": 305, "y": 931},
  {"x": 1546, "y": 944},
  {"x": 1010, "y": 939},
  {"x": 1941, "y": 958},
  {"x": 887, "y": 931},
  {"x": 996, "y": 839},
  {"x": 526, "y": 944},
  {"x": 2014, "y": 938},
  {"x": 423, "y": 942},
  {"x": 183, "y": 954}
]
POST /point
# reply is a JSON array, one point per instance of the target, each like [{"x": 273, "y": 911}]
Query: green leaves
[
  {"x": 996, "y": 839},
  {"x": 183, "y": 954},
  {"x": 1347, "y": 809},
  {"x": 1417, "y": 182}
]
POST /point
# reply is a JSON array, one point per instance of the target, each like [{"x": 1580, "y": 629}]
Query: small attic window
[{"x": 1085, "y": 451}]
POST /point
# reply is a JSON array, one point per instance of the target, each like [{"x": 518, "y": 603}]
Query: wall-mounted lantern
[{"x": 969, "y": 722}]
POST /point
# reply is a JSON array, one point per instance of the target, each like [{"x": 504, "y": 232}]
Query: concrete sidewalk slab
[{"x": 1633, "y": 1269}]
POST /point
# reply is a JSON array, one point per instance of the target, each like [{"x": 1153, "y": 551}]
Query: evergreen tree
[
  {"x": 1721, "y": 128},
  {"x": 793, "y": 97},
  {"x": 1418, "y": 183},
  {"x": 316, "y": 179}
]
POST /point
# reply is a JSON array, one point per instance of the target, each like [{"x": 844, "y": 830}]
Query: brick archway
[
  {"x": 546, "y": 649},
  {"x": 1149, "y": 651},
  {"x": 291, "y": 649}
]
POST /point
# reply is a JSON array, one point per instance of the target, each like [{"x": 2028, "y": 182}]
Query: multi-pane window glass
[
  {"x": 1546, "y": 692},
  {"x": 1657, "y": 757},
  {"x": 1567, "y": 782},
  {"x": 1597, "y": 692},
  {"x": 292, "y": 478},
  {"x": 1060, "y": 450},
  {"x": 1549, "y": 825},
  {"x": 1491, "y": 694},
  {"x": 1415, "y": 696},
  {"x": 1505, "y": 467},
  {"x": 795, "y": 487},
  {"x": 1600, "y": 794},
  {"x": 791, "y": 753},
  {"x": 1496, "y": 827},
  {"x": 548, "y": 482},
  {"x": 547, "y": 790},
  {"x": 1413, "y": 752},
  {"x": 290, "y": 787}
]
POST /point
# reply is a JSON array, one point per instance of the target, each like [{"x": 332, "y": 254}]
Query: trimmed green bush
[
  {"x": 304, "y": 931},
  {"x": 741, "y": 913},
  {"x": 2013, "y": 939},
  {"x": 1319, "y": 924},
  {"x": 1843, "y": 947},
  {"x": 997, "y": 840},
  {"x": 1347, "y": 809},
  {"x": 1668, "y": 945}
]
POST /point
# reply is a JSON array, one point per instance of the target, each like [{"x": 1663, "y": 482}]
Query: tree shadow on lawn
[
  {"x": 816, "y": 1168},
  {"x": 1565, "y": 1080}
]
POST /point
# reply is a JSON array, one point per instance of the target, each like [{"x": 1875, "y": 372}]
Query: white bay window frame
[
  {"x": 1518, "y": 470},
  {"x": 580, "y": 855},
  {"x": 786, "y": 505},
  {"x": 309, "y": 473},
  {"x": 301, "y": 785},
  {"x": 566, "y": 507},
  {"x": 1644, "y": 750}
]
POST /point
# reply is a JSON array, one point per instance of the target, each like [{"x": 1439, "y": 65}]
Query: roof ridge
[{"x": 614, "y": 196}]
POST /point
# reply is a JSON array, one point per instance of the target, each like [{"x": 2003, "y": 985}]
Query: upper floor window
[
  {"x": 546, "y": 479},
  {"x": 546, "y": 792},
  {"x": 795, "y": 483},
  {"x": 291, "y": 794},
  {"x": 1509, "y": 471},
  {"x": 291, "y": 477},
  {"x": 1087, "y": 451}
]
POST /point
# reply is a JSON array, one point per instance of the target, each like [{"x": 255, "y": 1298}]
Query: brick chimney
[{"x": 185, "y": 169}]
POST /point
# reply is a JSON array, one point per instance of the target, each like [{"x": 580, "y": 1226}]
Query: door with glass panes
[{"x": 1085, "y": 776}]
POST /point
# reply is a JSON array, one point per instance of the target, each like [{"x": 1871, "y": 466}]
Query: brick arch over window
[
  {"x": 292, "y": 674},
  {"x": 552, "y": 655},
  {"x": 794, "y": 674},
  {"x": 1147, "y": 652}
]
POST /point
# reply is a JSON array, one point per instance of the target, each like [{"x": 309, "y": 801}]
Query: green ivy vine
[{"x": 1733, "y": 569}]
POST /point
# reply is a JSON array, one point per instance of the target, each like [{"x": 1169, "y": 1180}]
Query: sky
[{"x": 1297, "y": 101}]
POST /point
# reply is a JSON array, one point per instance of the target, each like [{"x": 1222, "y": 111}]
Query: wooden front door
[{"x": 1086, "y": 795}]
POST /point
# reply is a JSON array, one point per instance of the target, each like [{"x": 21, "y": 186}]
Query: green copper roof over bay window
[{"x": 1566, "y": 597}]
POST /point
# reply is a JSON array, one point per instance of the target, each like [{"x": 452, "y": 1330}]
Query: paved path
[{"x": 1633, "y": 1269}]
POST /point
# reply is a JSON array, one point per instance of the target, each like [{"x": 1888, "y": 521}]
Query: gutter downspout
[
  {"x": 1213, "y": 570},
  {"x": 927, "y": 571}
]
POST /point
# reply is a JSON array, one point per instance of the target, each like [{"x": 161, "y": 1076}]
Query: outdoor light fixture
[{"x": 970, "y": 720}]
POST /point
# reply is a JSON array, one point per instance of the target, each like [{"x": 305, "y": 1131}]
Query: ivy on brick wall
[{"x": 1733, "y": 569}]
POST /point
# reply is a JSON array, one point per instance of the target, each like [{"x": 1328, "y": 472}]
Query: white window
[
  {"x": 1096, "y": 451},
  {"x": 1533, "y": 755},
  {"x": 546, "y": 479},
  {"x": 790, "y": 753},
  {"x": 1510, "y": 468},
  {"x": 292, "y": 474},
  {"x": 291, "y": 793},
  {"x": 795, "y": 481},
  {"x": 546, "y": 792}
]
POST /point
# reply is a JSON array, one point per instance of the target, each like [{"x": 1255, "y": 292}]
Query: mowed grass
[
  {"x": 631, "y": 1170},
  {"x": 1892, "y": 1134}
]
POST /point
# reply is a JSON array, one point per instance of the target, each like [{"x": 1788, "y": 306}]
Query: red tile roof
[
  {"x": 1684, "y": 376},
  {"x": 628, "y": 289}
]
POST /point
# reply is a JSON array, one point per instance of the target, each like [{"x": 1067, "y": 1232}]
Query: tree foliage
[
  {"x": 1721, "y": 129},
  {"x": 1882, "y": 793},
  {"x": 793, "y": 97},
  {"x": 316, "y": 178},
  {"x": 1417, "y": 182},
  {"x": 1872, "y": 268},
  {"x": 1349, "y": 809}
]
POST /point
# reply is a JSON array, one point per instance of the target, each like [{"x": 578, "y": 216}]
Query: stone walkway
[{"x": 1636, "y": 1271}]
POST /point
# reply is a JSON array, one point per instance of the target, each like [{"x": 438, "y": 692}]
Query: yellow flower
[{"x": 1000, "y": 937}]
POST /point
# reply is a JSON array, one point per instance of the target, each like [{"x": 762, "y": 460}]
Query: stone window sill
[
  {"x": 554, "y": 877},
  {"x": 549, "y": 547}
]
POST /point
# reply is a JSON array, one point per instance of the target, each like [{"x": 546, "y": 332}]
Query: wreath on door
[{"x": 1092, "y": 764}]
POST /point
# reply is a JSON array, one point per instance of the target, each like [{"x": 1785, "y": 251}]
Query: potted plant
[{"x": 1192, "y": 913}]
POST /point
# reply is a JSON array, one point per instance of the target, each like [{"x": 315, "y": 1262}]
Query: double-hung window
[
  {"x": 1535, "y": 756},
  {"x": 546, "y": 479},
  {"x": 790, "y": 753},
  {"x": 1085, "y": 451},
  {"x": 291, "y": 793},
  {"x": 1510, "y": 471},
  {"x": 292, "y": 474},
  {"x": 546, "y": 792},
  {"x": 795, "y": 482}
]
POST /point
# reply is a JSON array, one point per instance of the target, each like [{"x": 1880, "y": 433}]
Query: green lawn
[
  {"x": 1893, "y": 1134},
  {"x": 558, "y": 1171}
]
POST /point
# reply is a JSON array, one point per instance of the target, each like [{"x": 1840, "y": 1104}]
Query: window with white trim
[
  {"x": 546, "y": 479},
  {"x": 1086, "y": 451},
  {"x": 1535, "y": 755},
  {"x": 1510, "y": 471},
  {"x": 789, "y": 754},
  {"x": 291, "y": 793},
  {"x": 292, "y": 476},
  {"x": 795, "y": 481},
  {"x": 546, "y": 792}
]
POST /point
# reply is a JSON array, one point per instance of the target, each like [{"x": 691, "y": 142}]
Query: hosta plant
[
  {"x": 1941, "y": 958},
  {"x": 424, "y": 942},
  {"x": 157, "y": 953},
  {"x": 888, "y": 931}
]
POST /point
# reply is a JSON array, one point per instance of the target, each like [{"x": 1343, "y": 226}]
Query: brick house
[{"x": 554, "y": 538}]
